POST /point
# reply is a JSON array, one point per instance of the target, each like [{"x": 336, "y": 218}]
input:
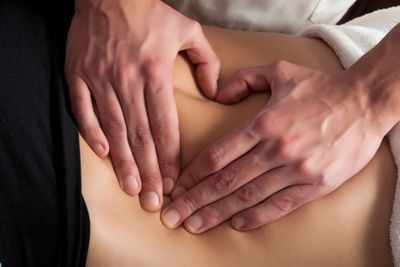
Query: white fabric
[
  {"x": 313, "y": 18},
  {"x": 350, "y": 41},
  {"x": 263, "y": 15}
]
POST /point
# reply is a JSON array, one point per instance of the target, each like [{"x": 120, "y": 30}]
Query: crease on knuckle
[
  {"x": 191, "y": 202},
  {"x": 283, "y": 203},
  {"x": 299, "y": 192},
  {"x": 213, "y": 214},
  {"x": 192, "y": 178},
  {"x": 139, "y": 138},
  {"x": 214, "y": 156},
  {"x": 225, "y": 181},
  {"x": 167, "y": 164},
  {"x": 114, "y": 128},
  {"x": 124, "y": 166},
  {"x": 165, "y": 129},
  {"x": 150, "y": 180},
  {"x": 249, "y": 194}
]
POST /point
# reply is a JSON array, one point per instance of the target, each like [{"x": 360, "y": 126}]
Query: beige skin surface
[{"x": 349, "y": 227}]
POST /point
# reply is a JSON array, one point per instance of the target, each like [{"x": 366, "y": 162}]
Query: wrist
[{"x": 376, "y": 77}]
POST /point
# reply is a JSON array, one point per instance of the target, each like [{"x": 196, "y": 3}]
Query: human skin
[
  {"x": 317, "y": 130},
  {"x": 348, "y": 227},
  {"x": 121, "y": 53}
]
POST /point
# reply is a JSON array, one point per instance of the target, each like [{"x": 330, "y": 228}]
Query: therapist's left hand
[{"x": 316, "y": 131}]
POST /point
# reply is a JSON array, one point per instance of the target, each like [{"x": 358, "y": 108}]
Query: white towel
[{"x": 350, "y": 41}]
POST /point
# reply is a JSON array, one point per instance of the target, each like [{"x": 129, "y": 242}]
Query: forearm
[{"x": 103, "y": 5}]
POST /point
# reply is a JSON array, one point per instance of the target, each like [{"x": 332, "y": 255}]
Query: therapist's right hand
[{"x": 120, "y": 54}]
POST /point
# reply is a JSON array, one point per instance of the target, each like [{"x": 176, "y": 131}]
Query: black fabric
[
  {"x": 43, "y": 218},
  {"x": 362, "y": 7}
]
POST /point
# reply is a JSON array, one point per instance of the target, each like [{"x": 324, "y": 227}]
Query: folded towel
[{"x": 350, "y": 41}]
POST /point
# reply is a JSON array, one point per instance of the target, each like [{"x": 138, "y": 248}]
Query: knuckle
[
  {"x": 263, "y": 124},
  {"x": 213, "y": 213},
  {"x": 151, "y": 180},
  {"x": 139, "y": 138},
  {"x": 114, "y": 128},
  {"x": 214, "y": 156},
  {"x": 151, "y": 66},
  {"x": 195, "y": 27},
  {"x": 256, "y": 216},
  {"x": 280, "y": 64},
  {"x": 71, "y": 67},
  {"x": 308, "y": 169},
  {"x": 100, "y": 68},
  {"x": 249, "y": 194},
  {"x": 124, "y": 166},
  {"x": 299, "y": 192},
  {"x": 284, "y": 150},
  {"x": 225, "y": 181},
  {"x": 304, "y": 168},
  {"x": 192, "y": 178},
  {"x": 167, "y": 163},
  {"x": 78, "y": 107},
  {"x": 165, "y": 128},
  {"x": 191, "y": 202},
  {"x": 122, "y": 78},
  {"x": 283, "y": 203}
]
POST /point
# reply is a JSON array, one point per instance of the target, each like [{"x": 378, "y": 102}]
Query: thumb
[
  {"x": 207, "y": 63},
  {"x": 244, "y": 82}
]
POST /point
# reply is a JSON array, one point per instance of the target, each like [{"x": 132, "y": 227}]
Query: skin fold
[{"x": 348, "y": 227}]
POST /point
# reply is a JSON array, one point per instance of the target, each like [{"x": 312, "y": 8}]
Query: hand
[
  {"x": 315, "y": 132},
  {"x": 121, "y": 53}
]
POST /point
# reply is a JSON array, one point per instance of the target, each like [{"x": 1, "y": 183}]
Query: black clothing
[{"x": 43, "y": 218}]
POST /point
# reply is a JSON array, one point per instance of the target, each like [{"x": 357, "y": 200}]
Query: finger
[
  {"x": 217, "y": 156},
  {"x": 201, "y": 54},
  {"x": 164, "y": 123},
  {"x": 219, "y": 185},
  {"x": 254, "y": 79},
  {"x": 245, "y": 197},
  {"x": 242, "y": 84},
  {"x": 132, "y": 99},
  {"x": 82, "y": 108},
  {"x": 278, "y": 205},
  {"x": 114, "y": 127}
]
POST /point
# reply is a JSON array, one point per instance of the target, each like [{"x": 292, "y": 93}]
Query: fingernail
[
  {"x": 194, "y": 223},
  {"x": 131, "y": 184},
  {"x": 151, "y": 200},
  {"x": 238, "y": 222},
  {"x": 170, "y": 218},
  {"x": 177, "y": 192},
  {"x": 99, "y": 149},
  {"x": 168, "y": 185}
]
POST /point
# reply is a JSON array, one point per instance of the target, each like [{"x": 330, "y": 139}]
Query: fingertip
[
  {"x": 150, "y": 201},
  {"x": 206, "y": 82},
  {"x": 224, "y": 97},
  {"x": 101, "y": 150},
  {"x": 238, "y": 223},
  {"x": 130, "y": 185}
]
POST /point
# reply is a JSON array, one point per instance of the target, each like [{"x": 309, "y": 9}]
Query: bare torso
[{"x": 349, "y": 227}]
